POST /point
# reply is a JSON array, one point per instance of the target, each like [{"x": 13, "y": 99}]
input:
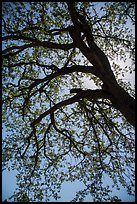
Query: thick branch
[
  {"x": 73, "y": 14},
  {"x": 127, "y": 110},
  {"x": 44, "y": 44},
  {"x": 88, "y": 94},
  {"x": 54, "y": 108},
  {"x": 91, "y": 94},
  {"x": 63, "y": 71}
]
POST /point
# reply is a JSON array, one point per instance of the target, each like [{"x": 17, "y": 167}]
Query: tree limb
[
  {"x": 63, "y": 71},
  {"x": 45, "y": 44},
  {"x": 56, "y": 107},
  {"x": 88, "y": 94}
]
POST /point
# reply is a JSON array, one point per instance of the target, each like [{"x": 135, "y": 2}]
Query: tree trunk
[{"x": 121, "y": 100}]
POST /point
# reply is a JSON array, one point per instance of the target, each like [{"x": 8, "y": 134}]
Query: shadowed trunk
[{"x": 120, "y": 99}]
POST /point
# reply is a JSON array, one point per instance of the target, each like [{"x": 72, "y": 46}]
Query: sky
[
  {"x": 68, "y": 189},
  {"x": 67, "y": 193}
]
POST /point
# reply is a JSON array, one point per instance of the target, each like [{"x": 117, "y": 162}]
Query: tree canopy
[{"x": 58, "y": 129}]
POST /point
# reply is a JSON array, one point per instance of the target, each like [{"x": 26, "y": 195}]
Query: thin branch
[
  {"x": 112, "y": 37},
  {"x": 22, "y": 155},
  {"x": 19, "y": 37},
  {"x": 98, "y": 142},
  {"x": 44, "y": 140},
  {"x": 72, "y": 141}
]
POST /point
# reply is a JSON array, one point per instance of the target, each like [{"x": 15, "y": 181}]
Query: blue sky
[
  {"x": 67, "y": 193},
  {"x": 68, "y": 188}
]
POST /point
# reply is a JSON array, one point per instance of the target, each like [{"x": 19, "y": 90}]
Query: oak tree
[{"x": 57, "y": 129}]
